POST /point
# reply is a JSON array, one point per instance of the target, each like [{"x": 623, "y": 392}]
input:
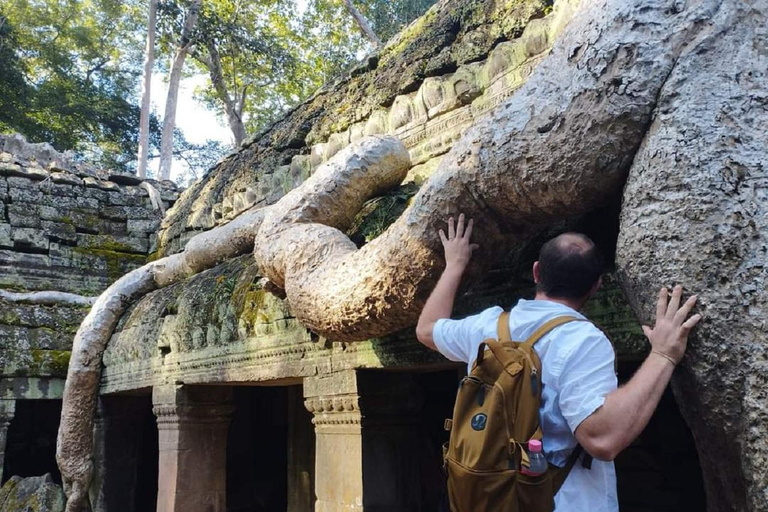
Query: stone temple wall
[{"x": 64, "y": 227}]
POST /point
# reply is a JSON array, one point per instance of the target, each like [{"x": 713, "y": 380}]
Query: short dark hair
[{"x": 569, "y": 266}]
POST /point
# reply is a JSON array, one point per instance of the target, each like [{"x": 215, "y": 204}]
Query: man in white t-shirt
[{"x": 581, "y": 403}]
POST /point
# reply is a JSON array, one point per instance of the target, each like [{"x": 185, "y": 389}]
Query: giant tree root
[
  {"x": 378, "y": 162},
  {"x": 561, "y": 146}
]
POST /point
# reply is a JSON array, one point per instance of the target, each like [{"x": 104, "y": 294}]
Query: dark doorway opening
[
  {"x": 660, "y": 471},
  {"x": 147, "y": 471},
  {"x": 31, "y": 443},
  {"x": 270, "y": 451}
]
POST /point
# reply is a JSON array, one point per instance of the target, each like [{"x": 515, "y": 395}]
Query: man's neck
[{"x": 571, "y": 303}]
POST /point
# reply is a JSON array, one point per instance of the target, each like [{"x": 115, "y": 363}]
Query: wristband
[{"x": 665, "y": 356}]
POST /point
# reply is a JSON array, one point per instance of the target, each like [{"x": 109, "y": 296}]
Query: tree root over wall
[{"x": 561, "y": 146}]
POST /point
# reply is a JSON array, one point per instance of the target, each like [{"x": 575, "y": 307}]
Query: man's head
[{"x": 569, "y": 268}]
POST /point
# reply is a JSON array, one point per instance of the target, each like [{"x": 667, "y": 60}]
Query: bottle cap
[{"x": 534, "y": 445}]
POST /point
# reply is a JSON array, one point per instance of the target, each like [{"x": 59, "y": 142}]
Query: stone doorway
[
  {"x": 270, "y": 451},
  {"x": 31, "y": 440}
]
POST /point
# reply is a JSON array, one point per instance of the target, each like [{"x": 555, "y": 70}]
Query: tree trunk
[
  {"x": 232, "y": 107},
  {"x": 695, "y": 212},
  {"x": 169, "y": 120},
  {"x": 149, "y": 62},
  {"x": 363, "y": 24}
]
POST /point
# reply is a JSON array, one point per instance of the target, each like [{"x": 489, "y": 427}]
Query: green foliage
[
  {"x": 70, "y": 68},
  {"x": 276, "y": 53},
  {"x": 388, "y": 17}
]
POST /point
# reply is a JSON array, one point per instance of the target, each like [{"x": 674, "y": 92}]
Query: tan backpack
[{"x": 496, "y": 413}]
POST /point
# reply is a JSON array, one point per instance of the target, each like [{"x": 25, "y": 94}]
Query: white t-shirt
[{"x": 578, "y": 372}]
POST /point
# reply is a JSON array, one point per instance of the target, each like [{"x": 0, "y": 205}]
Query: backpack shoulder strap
[
  {"x": 544, "y": 329},
  {"x": 495, "y": 345},
  {"x": 502, "y": 329}
]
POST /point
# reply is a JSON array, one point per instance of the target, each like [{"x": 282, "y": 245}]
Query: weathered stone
[
  {"x": 5, "y": 236},
  {"x": 66, "y": 178},
  {"x": 119, "y": 244},
  {"x": 33, "y": 494},
  {"x": 143, "y": 226},
  {"x": 7, "y": 412},
  {"x": 31, "y": 238},
  {"x": 192, "y": 424}
]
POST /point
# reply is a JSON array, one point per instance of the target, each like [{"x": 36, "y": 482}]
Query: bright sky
[{"x": 192, "y": 118}]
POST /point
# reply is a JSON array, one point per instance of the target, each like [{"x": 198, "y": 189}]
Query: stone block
[
  {"x": 66, "y": 178},
  {"x": 38, "y": 494},
  {"x": 5, "y": 236},
  {"x": 96, "y": 183},
  {"x": 27, "y": 194},
  {"x": 30, "y": 237},
  {"x": 127, "y": 212},
  {"x": 110, "y": 243},
  {"x": 24, "y": 215},
  {"x": 59, "y": 230},
  {"x": 31, "y": 172},
  {"x": 143, "y": 225}
]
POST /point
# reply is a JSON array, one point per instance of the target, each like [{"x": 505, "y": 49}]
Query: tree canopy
[{"x": 70, "y": 70}]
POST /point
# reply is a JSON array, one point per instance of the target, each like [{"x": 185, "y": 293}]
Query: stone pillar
[
  {"x": 368, "y": 440},
  {"x": 7, "y": 411},
  {"x": 192, "y": 425},
  {"x": 118, "y": 430}
]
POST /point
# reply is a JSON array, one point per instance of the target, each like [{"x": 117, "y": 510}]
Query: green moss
[
  {"x": 379, "y": 213},
  {"x": 158, "y": 254},
  {"x": 49, "y": 362},
  {"x": 9, "y": 316},
  {"x": 249, "y": 301},
  {"x": 117, "y": 261},
  {"x": 409, "y": 35}
]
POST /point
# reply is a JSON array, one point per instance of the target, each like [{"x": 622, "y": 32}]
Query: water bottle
[{"x": 538, "y": 461}]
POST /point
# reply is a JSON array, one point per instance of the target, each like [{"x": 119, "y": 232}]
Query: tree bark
[
  {"x": 695, "y": 212},
  {"x": 233, "y": 107},
  {"x": 149, "y": 63},
  {"x": 47, "y": 298},
  {"x": 363, "y": 24},
  {"x": 169, "y": 120}
]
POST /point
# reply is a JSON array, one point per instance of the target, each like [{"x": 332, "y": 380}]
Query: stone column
[
  {"x": 7, "y": 412},
  {"x": 367, "y": 441},
  {"x": 118, "y": 429},
  {"x": 192, "y": 425}
]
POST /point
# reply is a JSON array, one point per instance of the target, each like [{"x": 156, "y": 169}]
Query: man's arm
[
  {"x": 627, "y": 410},
  {"x": 439, "y": 305}
]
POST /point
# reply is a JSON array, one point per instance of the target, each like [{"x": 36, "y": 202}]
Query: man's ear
[
  {"x": 536, "y": 272},
  {"x": 597, "y": 286}
]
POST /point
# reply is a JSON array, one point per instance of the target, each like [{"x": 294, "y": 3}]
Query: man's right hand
[
  {"x": 669, "y": 337},
  {"x": 458, "y": 250}
]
